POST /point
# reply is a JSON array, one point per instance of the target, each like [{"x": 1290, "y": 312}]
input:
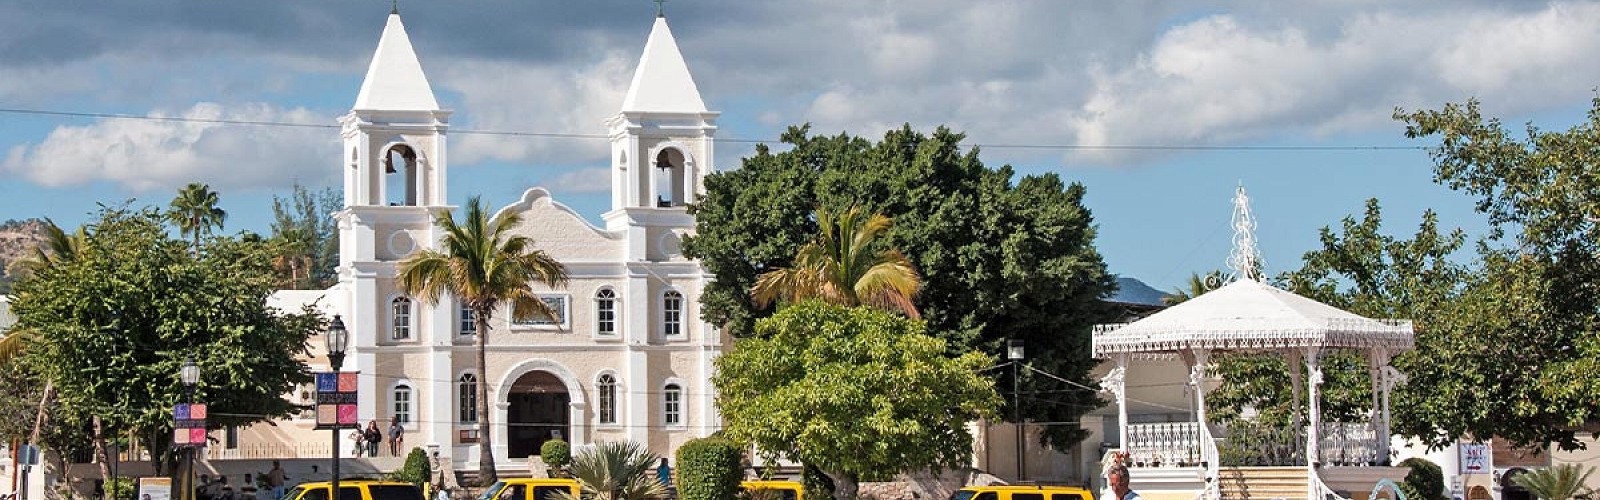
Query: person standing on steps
[
  {"x": 276, "y": 479},
  {"x": 397, "y": 435},
  {"x": 374, "y": 436}
]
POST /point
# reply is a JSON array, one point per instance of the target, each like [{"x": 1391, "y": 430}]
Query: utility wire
[{"x": 562, "y": 135}]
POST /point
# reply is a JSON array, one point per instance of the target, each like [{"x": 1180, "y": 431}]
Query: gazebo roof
[{"x": 1250, "y": 315}]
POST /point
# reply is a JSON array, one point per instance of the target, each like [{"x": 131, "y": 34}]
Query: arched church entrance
[{"x": 537, "y": 411}]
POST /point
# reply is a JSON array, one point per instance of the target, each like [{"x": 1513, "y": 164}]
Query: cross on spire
[
  {"x": 660, "y": 8},
  {"x": 396, "y": 9},
  {"x": 1245, "y": 261}
]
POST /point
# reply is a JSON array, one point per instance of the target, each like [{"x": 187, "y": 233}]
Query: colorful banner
[
  {"x": 189, "y": 425},
  {"x": 336, "y": 400}
]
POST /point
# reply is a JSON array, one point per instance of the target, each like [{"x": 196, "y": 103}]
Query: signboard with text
[
  {"x": 1475, "y": 458},
  {"x": 189, "y": 425},
  {"x": 336, "y": 400}
]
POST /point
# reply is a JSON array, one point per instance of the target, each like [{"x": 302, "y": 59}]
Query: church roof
[
  {"x": 395, "y": 80},
  {"x": 1248, "y": 315},
  {"x": 662, "y": 82}
]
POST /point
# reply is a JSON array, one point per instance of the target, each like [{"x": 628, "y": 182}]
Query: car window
[
  {"x": 310, "y": 494},
  {"x": 492, "y": 490},
  {"x": 548, "y": 492},
  {"x": 1027, "y": 496},
  {"x": 349, "y": 493},
  {"x": 1066, "y": 496},
  {"x": 394, "y": 492},
  {"x": 987, "y": 495}
]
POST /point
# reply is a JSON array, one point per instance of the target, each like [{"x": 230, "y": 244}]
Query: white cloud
[
  {"x": 516, "y": 96},
  {"x": 144, "y": 155},
  {"x": 587, "y": 180}
]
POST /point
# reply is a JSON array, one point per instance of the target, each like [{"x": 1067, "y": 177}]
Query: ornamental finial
[
  {"x": 1245, "y": 261},
  {"x": 396, "y": 8},
  {"x": 660, "y": 8}
]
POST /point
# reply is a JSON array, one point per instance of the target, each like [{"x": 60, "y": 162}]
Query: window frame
[
  {"x": 466, "y": 322},
  {"x": 396, "y": 314},
  {"x": 606, "y": 399},
  {"x": 603, "y": 298},
  {"x": 673, "y": 415},
  {"x": 467, "y": 392},
  {"x": 395, "y": 402},
  {"x": 672, "y": 324},
  {"x": 565, "y": 313}
]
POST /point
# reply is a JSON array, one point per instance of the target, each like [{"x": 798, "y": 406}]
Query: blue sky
[{"x": 1007, "y": 72}]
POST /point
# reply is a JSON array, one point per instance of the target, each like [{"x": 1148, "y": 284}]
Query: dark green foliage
[
  {"x": 555, "y": 453},
  {"x": 1000, "y": 256},
  {"x": 708, "y": 469},
  {"x": 1425, "y": 481},
  {"x": 307, "y": 237},
  {"x": 113, "y": 325},
  {"x": 417, "y": 469}
]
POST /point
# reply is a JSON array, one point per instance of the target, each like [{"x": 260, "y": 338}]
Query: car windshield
[
  {"x": 394, "y": 492},
  {"x": 961, "y": 495},
  {"x": 492, "y": 490}
]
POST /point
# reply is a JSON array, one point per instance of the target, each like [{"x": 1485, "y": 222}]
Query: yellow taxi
[
  {"x": 1021, "y": 492},
  {"x": 357, "y": 489},
  {"x": 773, "y": 490},
  {"x": 529, "y": 489}
]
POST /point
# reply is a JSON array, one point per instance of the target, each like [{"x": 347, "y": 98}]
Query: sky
[{"x": 1292, "y": 100}]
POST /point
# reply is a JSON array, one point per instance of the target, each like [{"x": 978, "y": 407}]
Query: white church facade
[{"x": 626, "y": 357}]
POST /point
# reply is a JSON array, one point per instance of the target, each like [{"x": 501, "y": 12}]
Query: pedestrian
[
  {"x": 276, "y": 479},
  {"x": 664, "y": 473},
  {"x": 1118, "y": 477},
  {"x": 374, "y": 436},
  {"x": 397, "y": 435},
  {"x": 247, "y": 491},
  {"x": 359, "y": 437},
  {"x": 203, "y": 490},
  {"x": 225, "y": 490}
]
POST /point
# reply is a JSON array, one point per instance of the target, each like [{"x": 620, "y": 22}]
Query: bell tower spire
[{"x": 661, "y": 139}]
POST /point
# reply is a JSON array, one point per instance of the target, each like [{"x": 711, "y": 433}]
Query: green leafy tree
[
  {"x": 111, "y": 327},
  {"x": 1558, "y": 482},
  {"x": 709, "y": 469},
  {"x": 1531, "y": 301},
  {"x": 303, "y": 226},
  {"x": 999, "y": 256},
  {"x": 843, "y": 266},
  {"x": 854, "y": 392},
  {"x": 483, "y": 264},
  {"x": 557, "y": 454},
  {"x": 1425, "y": 481},
  {"x": 417, "y": 469},
  {"x": 195, "y": 212},
  {"x": 620, "y": 470}
]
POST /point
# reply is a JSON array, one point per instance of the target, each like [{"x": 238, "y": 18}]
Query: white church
[{"x": 627, "y": 357}]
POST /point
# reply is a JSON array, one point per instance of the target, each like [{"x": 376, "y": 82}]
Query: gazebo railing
[
  {"x": 1348, "y": 444},
  {"x": 1252, "y": 445},
  {"x": 1167, "y": 444}
]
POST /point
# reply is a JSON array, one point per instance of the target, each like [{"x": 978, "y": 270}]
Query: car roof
[
  {"x": 539, "y": 481},
  {"x": 1026, "y": 487},
  {"x": 357, "y": 482}
]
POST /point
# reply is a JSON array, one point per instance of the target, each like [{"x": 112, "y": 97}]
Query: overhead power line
[{"x": 564, "y": 135}]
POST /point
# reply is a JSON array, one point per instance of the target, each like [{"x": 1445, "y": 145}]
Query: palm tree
[
  {"x": 483, "y": 265},
  {"x": 1561, "y": 482},
  {"x": 620, "y": 470},
  {"x": 1198, "y": 285},
  {"x": 843, "y": 266},
  {"x": 195, "y": 211}
]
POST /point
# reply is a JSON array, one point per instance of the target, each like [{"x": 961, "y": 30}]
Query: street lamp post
[
  {"x": 1014, "y": 353},
  {"x": 190, "y": 375},
  {"x": 335, "y": 340}
]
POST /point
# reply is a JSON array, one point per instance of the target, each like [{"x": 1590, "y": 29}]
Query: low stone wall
[{"x": 926, "y": 485}]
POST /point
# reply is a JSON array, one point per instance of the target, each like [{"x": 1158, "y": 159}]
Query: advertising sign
[
  {"x": 1475, "y": 458},
  {"x": 336, "y": 400},
  {"x": 155, "y": 488},
  {"x": 189, "y": 425}
]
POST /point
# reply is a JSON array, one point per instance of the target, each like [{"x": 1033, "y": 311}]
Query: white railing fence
[
  {"x": 1346, "y": 444},
  {"x": 258, "y": 451},
  {"x": 1168, "y": 444}
]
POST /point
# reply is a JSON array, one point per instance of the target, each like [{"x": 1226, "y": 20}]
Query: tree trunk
[
  {"x": 40, "y": 417},
  {"x": 844, "y": 485},
  {"x": 103, "y": 455},
  {"x": 486, "y": 475}
]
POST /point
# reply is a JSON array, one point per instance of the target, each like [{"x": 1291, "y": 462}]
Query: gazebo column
[
  {"x": 1122, "y": 400},
  {"x": 1197, "y": 376},
  {"x": 1313, "y": 406},
  {"x": 1377, "y": 369},
  {"x": 1293, "y": 357}
]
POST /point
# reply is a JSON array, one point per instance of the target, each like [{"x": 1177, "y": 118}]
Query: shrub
[
  {"x": 555, "y": 453},
  {"x": 1426, "y": 479},
  {"x": 708, "y": 469},
  {"x": 417, "y": 469}
]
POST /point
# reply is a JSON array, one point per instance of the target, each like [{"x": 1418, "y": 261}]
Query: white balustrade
[
  {"x": 1348, "y": 443},
  {"x": 1169, "y": 444}
]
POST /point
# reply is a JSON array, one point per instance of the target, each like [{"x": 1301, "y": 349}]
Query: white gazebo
[{"x": 1250, "y": 315}]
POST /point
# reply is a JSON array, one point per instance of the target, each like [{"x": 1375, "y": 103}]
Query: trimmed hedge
[
  {"x": 557, "y": 454},
  {"x": 1426, "y": 479},
  {"x": 709, "y": 469},
  {"x": 417, "y": 470}
]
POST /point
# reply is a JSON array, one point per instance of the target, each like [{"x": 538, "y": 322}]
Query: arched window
[
  {"x": 402, "y": 403},
  {"x": 672, "y": 405},
  {"x": 605, "y": 312},
  {"x": 608, "y": 398},
  {"x": 468, "y": 325},
  {"x": 468, "y": 385},
  {"x": 400, "y": 175},
  {"x": 672, "y": 313},
  {"x": 400, "y": 311},
  {"x": 669, "y": 178}
]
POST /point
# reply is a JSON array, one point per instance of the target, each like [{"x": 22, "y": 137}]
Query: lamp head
[
  {"x": 1014, "y": 349},
  {"x": 337, "y": 338},
  {"x": 190, "y": 373}
]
